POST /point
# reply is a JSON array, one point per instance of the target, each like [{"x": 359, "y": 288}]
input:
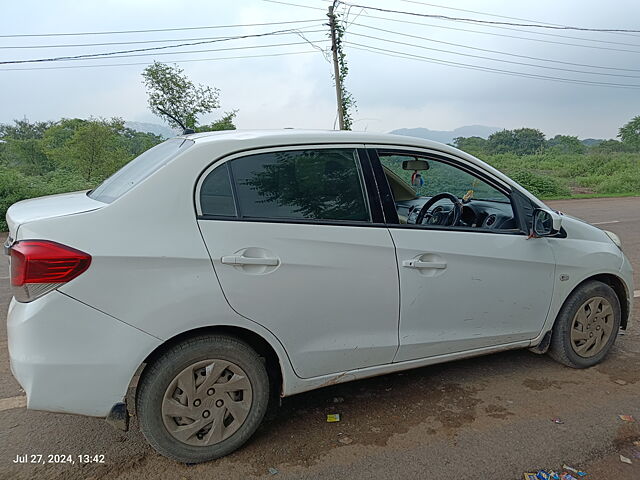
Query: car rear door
[{"x": 299, "y": 246}]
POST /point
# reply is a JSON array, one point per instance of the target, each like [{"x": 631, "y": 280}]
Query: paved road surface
[{"x": 489, "y": 417}]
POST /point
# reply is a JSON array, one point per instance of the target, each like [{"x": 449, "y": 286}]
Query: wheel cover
[
  {"x": 207, "y": 402},
  {"x": 592, "y": 327}
]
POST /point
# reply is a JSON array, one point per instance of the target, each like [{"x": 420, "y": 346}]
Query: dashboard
[{"x": 475, "y": 213}]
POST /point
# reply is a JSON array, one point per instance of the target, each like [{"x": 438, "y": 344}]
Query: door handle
[
  {"x": 242, "y": 260},
  {"x": 413, "y": 263}
]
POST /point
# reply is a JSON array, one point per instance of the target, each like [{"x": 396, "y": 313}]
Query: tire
[
  {"x": 216, "y": 420},
  {"x": 586, "y": 309}
]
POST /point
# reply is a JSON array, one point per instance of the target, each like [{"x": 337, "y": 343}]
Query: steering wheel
[{"x": 436, "y": 218}]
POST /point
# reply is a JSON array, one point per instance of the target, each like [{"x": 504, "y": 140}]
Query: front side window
[
  {"x": 441, "y": 177},
  {"x": 321, "y": 184},
  {"x": 434, "y": 193}
]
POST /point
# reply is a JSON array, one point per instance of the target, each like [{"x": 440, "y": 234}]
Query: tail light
[{"x": 39, "y": 266}]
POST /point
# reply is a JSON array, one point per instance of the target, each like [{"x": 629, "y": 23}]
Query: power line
[
  {"x": 395, "y": 53},
  {"x": 409, "y": 22},
  {"x": 571, "y": 37},
  {"x": 494, "y": 59},
  {"x": 486, "y": 14},
  {"x": 478, "y": 12},
  {"x": 148, "y": 63},
  {"x": 488, "y": 22},
  {"x": 114, "y": 32},
  {"x": 105, "y": 54},
  {"x": 227, "y": 49},
  {"x": 168, "y": 40},
  {"x": 493, "y": 51},
  {"x": 534, "y": 32},
  {"x": 295, "y": 5}
]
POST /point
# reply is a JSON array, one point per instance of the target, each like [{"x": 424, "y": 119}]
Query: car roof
[{"x": 295, "y": 136}]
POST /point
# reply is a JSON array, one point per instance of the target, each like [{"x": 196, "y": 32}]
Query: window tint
[
  {"x": 216, "y": 197},
  {"x": 301, "y": 184},
  {"x": 139, "y": 169}
]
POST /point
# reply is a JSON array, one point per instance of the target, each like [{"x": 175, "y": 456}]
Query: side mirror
[
  {"x": 415, "y": 165},
  {"x": 546, "y": 223}
]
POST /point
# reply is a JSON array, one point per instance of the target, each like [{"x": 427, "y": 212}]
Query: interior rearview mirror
[
  {"x": 546, "y": 223},
  {"x": 415, "y": 165}
]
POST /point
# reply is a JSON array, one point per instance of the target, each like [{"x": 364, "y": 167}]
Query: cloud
[{"x": 297, "y": 91}]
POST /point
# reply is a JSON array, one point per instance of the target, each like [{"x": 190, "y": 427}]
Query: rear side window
[
  {"x": 216, "y": 197},
  {"x": 323, "y": 184},
  {"x": 139, "y": 169}
]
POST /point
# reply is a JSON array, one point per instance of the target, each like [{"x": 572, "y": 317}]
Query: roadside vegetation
[{"x": 563, "y": 166}]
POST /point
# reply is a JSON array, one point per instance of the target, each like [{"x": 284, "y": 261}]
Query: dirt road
[{"x": 489, "y": 417}]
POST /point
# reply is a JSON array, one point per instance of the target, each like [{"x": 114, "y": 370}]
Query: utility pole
[{"x": 336, "y": 66}]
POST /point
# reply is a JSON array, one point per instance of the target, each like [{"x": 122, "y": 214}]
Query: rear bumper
[{"x": 72, "y": 358}]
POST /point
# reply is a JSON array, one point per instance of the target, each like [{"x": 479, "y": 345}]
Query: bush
[
  {"x": 540, "y": 185},
  {"x": 15, "y": 186},
  {"x": 622, "y": 182}
]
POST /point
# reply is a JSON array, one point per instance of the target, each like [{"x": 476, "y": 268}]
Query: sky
[{"x": 393, "y": 88}]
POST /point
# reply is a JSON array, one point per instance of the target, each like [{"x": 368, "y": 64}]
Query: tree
[
  {"x": 175, "y": 98},
  {"x": 521, "y": 141},
  {"x": 611, "y": 146},
  {"x": 23, "y": 146},
  {"x": 135, "y": 142},
  {"x": 56, "y": 136},
  {"x": 473, "y": 145},
  {"x": 629, "y": 133},
  {"x": 24, "y": 130},
  {"x": 224, "y": 123},
  {"x": 95, "y": 149},
  {"x": 566, "y": 144},
  {"x": 501, "y": 142}
]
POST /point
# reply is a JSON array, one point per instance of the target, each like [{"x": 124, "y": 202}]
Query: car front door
[
  {"x": 479, "y": 284},
  {"x": 299, "y": 246}
]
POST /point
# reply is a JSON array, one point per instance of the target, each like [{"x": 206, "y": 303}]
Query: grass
[{"x": 591, "y": 175}]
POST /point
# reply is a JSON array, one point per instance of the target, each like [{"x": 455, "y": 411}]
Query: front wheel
[
  {"x": 587, "y": 326},
  {"x": 203, "y": 398}
]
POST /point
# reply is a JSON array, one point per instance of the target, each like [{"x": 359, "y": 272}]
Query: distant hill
[
  {"x": 447, "y": 136},
  {"x": 164, "y": 132},
  {"x": 590, "y": 142}
]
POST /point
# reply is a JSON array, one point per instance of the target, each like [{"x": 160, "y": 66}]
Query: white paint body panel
[
  {"x": 333, "y": 299},
  {"x": 70, "y": 357},
  {"x": 49, "y": 207},
  {"x": 152, "y": 278},
  {"x": 494, "y": 289},
  {"x": 587, "y": 251}
]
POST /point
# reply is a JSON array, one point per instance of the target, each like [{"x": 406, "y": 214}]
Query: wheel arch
[
  {"x": 618, "y": 286},
  {"x": 262, "y": 347}
]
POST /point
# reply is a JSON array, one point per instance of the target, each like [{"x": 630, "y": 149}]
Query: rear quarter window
[{"x": 138, "y": 169}]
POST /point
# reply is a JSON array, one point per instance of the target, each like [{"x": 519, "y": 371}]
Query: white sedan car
[{"x": 227, "y": 268}]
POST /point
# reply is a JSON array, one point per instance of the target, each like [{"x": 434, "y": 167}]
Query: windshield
[{"x": 139, "y": 169}]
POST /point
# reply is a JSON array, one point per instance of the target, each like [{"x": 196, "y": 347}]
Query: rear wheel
[
  {"x": 203, "y": 398},
  {"x": 587, "y": 326}
]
